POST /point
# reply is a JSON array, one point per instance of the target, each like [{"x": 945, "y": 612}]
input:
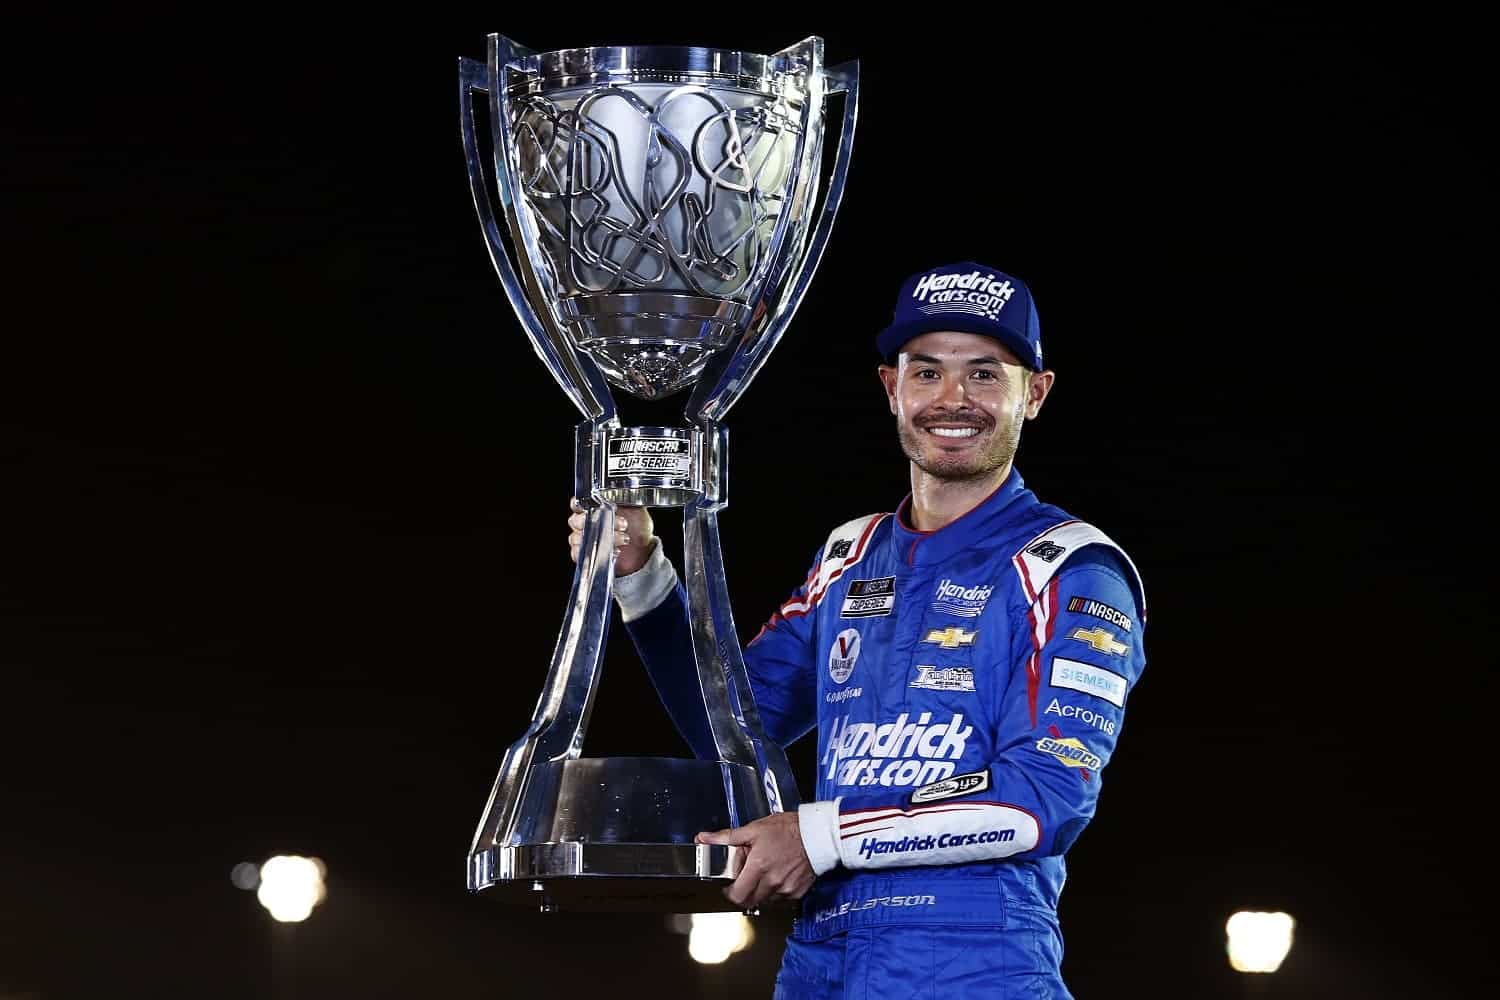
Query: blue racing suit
[{"x": 968, "y": 686}]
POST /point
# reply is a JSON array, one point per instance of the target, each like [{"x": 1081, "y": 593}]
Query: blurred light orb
[
  {"x": 245, "y": 876},
  {"x": 1258, "y": 941},
  {"x": 716, "y": 936},
  {"x": 290, "y": 886}
]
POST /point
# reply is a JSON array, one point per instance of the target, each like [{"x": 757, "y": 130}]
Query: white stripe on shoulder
[
  {"x": 846, "y": 545},
  {"x": 1040, "y": 559}
]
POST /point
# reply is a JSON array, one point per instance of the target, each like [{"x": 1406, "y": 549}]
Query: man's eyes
[{"x": 983, "y": 374}]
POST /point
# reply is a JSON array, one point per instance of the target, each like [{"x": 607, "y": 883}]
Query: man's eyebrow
[{"x": 928, "y": 359}]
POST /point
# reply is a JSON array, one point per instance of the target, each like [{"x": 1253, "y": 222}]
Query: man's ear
[
  {"x": 888, "y": 379},
  {"x": 1037, "y": 388}
]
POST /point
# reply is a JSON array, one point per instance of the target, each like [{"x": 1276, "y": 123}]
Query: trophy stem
[
  {"x": 562, "y": 713},
  {"x": 733, "y": 717}
]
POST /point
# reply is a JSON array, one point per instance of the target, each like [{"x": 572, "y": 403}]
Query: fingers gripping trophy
[{"x": 660, "y": 201}]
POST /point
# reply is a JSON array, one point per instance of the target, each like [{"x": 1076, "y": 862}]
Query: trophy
[{"x": 660, "y": 203}]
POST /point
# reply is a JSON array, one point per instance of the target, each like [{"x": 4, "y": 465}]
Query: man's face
[{"x": 959, "y": 401}]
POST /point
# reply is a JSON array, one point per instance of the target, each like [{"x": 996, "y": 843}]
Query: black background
[{"x": 284, "y": 485}]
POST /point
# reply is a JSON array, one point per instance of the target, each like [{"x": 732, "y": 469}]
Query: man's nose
[{"x": 954, "y": 392}]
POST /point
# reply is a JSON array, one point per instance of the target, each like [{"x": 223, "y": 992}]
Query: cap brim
[{"x": 890, "y": 340}]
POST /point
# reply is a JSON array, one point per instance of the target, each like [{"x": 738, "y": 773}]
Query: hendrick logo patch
[{"x": 956, "y": 599}]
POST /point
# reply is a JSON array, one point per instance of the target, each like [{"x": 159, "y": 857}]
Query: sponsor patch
[
  {"x": 836, "y": 697},
  {"x": 840, "y": 548},
  {"x": 1047, "y": 551},
  {"x": 1070, "y": 751},
  {"x": 1089, "y": 679},
  {"x": 944, "y": 678},
  {"x": 956, "y": 599},
  {"x": 950, "y": 788},
  {"x": 1087, "y": 716},
  {"x": 1089, "y": 606},
  {"x": 902, "y": 753},
  {"x": 976, "y": 292},
  {"x": 842, "y": 654},
  {"x": 1101, "y": 639},
  {"x": 870, "y": 598},
  {"x": 871, "y": 846},
  {"x": 643, "y": 456},
  {"x": 951, "y": 637}
]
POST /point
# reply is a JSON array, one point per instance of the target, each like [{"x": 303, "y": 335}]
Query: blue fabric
[
  {"x": 924, "y": 963},
  {"x": 967, "y": 687}
]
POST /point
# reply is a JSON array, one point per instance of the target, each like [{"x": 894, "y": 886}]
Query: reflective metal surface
[
  {"x": 660, "y": 203},
  {"x": 649, "y": 170}
]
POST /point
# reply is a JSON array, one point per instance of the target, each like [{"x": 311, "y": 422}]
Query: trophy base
[{"x": 582, "y": 877}]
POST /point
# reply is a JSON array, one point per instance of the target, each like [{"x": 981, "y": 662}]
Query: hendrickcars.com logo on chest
[{"x": 899, "y": 753}]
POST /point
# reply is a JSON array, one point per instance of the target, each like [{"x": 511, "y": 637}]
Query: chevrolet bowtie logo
[
  {"x": 1100, "y": 639},
  {"x": 951, "y": 637}
]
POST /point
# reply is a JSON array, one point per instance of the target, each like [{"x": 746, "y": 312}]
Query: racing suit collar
[{"x": 919, "y": 548}]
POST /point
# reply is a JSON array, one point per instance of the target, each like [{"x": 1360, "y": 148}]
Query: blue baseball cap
[{"x": 966, "y": 298}]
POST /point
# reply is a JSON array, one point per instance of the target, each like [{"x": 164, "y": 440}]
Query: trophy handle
[
  {"x": 562, "y": 712},
  {"x": 725, "y": 382},
  {"x": 733, "y": 718},
  {"x": 577, "y": 374}
]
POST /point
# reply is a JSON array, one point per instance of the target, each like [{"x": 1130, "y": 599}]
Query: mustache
[{"x": 963, "y": 418}]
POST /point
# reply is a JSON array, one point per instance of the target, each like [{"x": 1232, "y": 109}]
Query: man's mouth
[{"x": 953, "y": 432}]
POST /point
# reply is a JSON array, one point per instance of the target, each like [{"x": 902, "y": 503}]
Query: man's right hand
[{"x": 633, "y": 536}]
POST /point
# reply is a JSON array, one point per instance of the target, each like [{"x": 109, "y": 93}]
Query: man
[{"x": 966, "y": 662}]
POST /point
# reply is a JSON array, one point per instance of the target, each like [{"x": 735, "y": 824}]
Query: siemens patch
[
  {"x": 1089, "y": 679},
  {"x": 870, "y": 598}
]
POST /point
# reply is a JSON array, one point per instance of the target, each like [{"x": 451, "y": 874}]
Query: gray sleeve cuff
[
  {"x": 641, "y": 591},
  {"x": 818, "y": 822}
]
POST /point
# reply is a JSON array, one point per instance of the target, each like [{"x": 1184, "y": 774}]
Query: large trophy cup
[{"x": 660, "y": 201}]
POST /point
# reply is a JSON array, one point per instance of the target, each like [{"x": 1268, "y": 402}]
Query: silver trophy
[{"x": 661, "y": 203}]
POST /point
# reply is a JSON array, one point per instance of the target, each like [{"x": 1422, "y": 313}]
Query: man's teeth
[{"x": 954, "y": 432}]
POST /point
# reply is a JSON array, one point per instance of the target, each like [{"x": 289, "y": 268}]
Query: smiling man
[{"x": 965, "y": 662}]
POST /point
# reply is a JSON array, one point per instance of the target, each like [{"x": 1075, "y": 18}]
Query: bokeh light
[
  {"x": 1258, "y": 941},
  {"x": 290, "y": 886},
  {"x": 716, "y": 936}
]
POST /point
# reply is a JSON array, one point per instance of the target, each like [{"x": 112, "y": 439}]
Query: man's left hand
[{"x": 774, "y": 865}]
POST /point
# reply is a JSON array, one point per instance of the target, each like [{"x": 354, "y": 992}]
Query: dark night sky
[{"x": 282, "y": 556}]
